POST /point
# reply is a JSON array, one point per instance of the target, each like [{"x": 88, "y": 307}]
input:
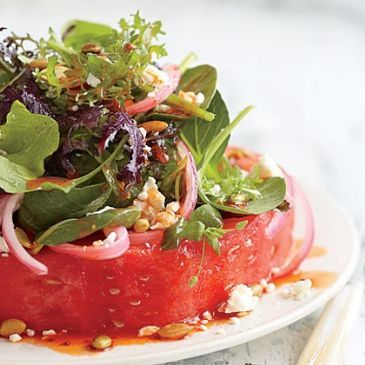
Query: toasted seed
[
  {"x": 90, "y": 48},
  {"x": 154, "y": 126},
  {"x": 141, "y": 225},
  {"x": 101, "y": 342},
  {"x": 23, "y": 238},
  {"x": 148, "y": 331},
  {"x": 175, "y": 330},
  {"x": 11, "y": 327},
  {"x": 40, "y": 63}
]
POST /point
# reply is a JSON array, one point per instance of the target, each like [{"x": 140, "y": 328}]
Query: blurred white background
[{"x": 300, "y": 62}]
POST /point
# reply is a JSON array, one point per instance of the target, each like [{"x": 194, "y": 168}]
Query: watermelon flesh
[{"x": 146, "y": 286}]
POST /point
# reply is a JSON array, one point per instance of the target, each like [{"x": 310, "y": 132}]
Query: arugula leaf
[
  {"x": 28, "y": 138},
  {"x": 199, "y": 135},
  {"x": 202, "y": 78},
  {"x": 41, "y": 209},
  {"x": 72, "y": 229}
]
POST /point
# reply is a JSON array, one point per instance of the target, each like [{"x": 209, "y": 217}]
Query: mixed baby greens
[{"x": 69, "y": 144}]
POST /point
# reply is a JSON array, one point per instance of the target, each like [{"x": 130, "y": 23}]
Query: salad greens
[{"x": 70, "y": 143}]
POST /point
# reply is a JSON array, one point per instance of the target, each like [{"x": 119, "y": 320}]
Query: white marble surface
[{"x": 302, "y": 64}]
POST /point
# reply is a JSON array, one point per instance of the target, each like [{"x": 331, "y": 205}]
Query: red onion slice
[
  {"x": 160, "y": 94},
  {"x": 191, "y": 182},
  {"x": 3, "y": 201},
  {"x": 111, "y": 250},
  {"x": 302, "y": 251},
  {"x": 12, "y": 241}
]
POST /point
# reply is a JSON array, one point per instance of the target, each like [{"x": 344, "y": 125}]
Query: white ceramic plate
[{"x": 334, "y": 231}]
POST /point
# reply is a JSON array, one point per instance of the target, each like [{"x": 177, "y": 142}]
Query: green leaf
[
  {"x": 172, "y": 234},
  {"x": 202, "y": 79},
  {"x": 72, "y": 229},
  {"x": 28, "y": 138},
  {"x": 13, "y": 177},
  {"x": 241, "y": 225},
  {"x": 5, "y": 78},
  {"x": 207, "y": 215},
  {"x": 193, "y": 281},
  {"x": 193, "y": 230},
  {"x": 199, "y": 135},
  {"x": 41, "y": 209},
  {"x": 272, "y": 194},
  {"x": 79, "y": 32}
]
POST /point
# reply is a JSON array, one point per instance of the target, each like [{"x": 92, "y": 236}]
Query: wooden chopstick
[{"x": 327, "y": 342}]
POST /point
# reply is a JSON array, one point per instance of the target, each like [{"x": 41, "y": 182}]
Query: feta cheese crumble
[
  {"x": 299, "y": 290},
  {"x": 92, "y": 80},
  {"x": 241, "y": 299},
  {"x": 151, "y": 203},
  {"x": 155, "y": 77},
  {"x": 15, "y": 338},
  {"x": 191, "y": 97},
  {"x": 48, "y": 333}
]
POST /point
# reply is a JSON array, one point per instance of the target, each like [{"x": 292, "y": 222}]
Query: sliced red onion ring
[
  {"x": 191, "y": 182},
  {"x": 12, "y": 241},
  {"x": 160, "y": 94},
  {"x": 117, "y": 246},
  {"x": 302, "y": 251},
  {"x": 279, "y": 218},
  {"x": 3, "y": 201}
]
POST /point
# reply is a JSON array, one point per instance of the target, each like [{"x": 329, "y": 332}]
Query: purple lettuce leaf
[
  {"x": 27, "y": 92},
  {"x": 130, "y": 173}
]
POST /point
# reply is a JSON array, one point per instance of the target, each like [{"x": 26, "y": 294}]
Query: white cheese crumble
[
  {"x": 29, "y": 332},
  {"x": 15, "y": 338},
  {"x": 151, "y": 203},
  {"x": 48, "y": 333},
  {"x": 153, "y": 76},
  {"x": 207, "y": 315},
  {"x": 241, "y": 299},
  {"x": 92, "y": 80},
  {"x": 162, "y": 108},
  {"x": 108, "y": 241},
  {"x": 269, "y": 168},
  {"x": 191, "y": 97},
  {"x": 299, "y": 290}
]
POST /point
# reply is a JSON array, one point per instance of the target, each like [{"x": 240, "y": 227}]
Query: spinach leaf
[
  {"x": 27, "y": 139},
  {"x": 72, "y": 229},
  {"x": 79, "y": 32},
  {"x": 42, "y": 209},
  {"x": 202, "y": 79},
  {"x": 199, "y": 135},
  {"x": 13, "y": 177}
]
